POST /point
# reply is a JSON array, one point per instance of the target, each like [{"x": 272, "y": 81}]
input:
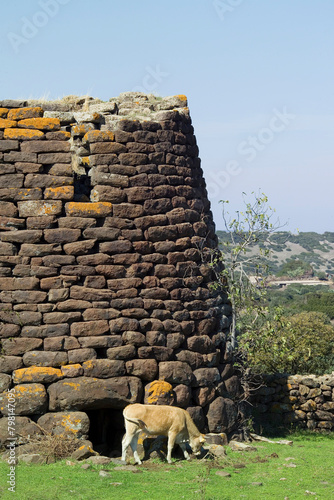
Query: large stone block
[
  {"x": 35, "y": 374},
  {"x": 39, "y": 208},
  {"x": 30, "y": 399},
  {"x": 89, "y": 328},
  {"x": 222, "y": 415},
  {"x": 146, "y": 369},
  {"x": 66, "y": 424},
  {"x": 175, "y": 372},
  {"x": 87, "y": 393},
  {"x": 104, "y": 368},
  {"x": 17, "y": 346},
  {"x": 45, "y": 358},
  {"x": 77, "y": 209}
]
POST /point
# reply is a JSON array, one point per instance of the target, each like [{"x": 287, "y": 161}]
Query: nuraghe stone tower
[{"x": 105, "y": 241}]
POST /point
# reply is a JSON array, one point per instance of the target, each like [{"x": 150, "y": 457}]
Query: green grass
[{"x": 312, "y": 454}]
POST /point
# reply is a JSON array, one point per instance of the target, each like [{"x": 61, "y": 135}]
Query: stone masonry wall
[
  {"x": 307, "y": 401},
  {"x": 105, "y": 229}
]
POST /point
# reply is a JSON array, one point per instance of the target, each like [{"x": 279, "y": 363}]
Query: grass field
[{"x": 305, "y": 469}]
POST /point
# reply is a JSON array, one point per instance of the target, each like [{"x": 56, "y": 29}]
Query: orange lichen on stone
[
  {"x": 59, "y": 193},
  {"x": 99, "y": 136},
  {"x": 40, "y": 123},
  {"x": 3, "y": 112},
  {"x": 36, "y": 374},
  {"x": 85, "y": 160},
  {"x": 23, "y": 113},
  {"x": 74, "y": 385},
  {"x": 74, "y": 370},
  {"x": 19, "y": 133},
  {"x": 158, "y": 388},
  {"x": 98, "y": 209},
  {"x": 182, "y": 97},
  {"x": 37, "y": 208},
  {"x": 79, "y": 130},
  {"x": 7, "y": 123}
]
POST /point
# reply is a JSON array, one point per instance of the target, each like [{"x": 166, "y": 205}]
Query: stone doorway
[{"x": 106, "y": 431}]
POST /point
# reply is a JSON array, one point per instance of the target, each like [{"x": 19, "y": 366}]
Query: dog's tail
[{"x": 136, "y": 421}]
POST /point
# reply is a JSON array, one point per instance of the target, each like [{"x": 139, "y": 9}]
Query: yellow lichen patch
[
  {"x": 40, "y": 123},
  {"x": 71, "y": 370},
  {"x": 59, "y": 193},
  {"x": 85, "y": 160},
  {"x": 79, "y": 130},
  {"x": 74, "y": 385},
  {"x": 182, "y": 97},
  {"x": 88, "y": 364},
  {"x": 19, "y": 133},
  {"x": 99, "y": 136},
  {"x": 7, "y": 123},
  {"x": 98, "y": 209},
  {"x": 23, "y": 113},
  {"x": 36, "y": 374},
  {"x": 3, "y": 112},
  {"x": 158, "y": 388}
]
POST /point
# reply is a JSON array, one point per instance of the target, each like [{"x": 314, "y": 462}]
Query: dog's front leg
[{"x": 184, "y": 449}]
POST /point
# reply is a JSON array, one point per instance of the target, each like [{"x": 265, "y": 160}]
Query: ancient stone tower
[{"x": 105, "y": 232}]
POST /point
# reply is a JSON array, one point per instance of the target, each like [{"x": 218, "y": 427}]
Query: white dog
[{"x": 160, "y": 420}]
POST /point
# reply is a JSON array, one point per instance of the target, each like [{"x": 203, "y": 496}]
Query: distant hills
[{"x": 316, "y": 250}]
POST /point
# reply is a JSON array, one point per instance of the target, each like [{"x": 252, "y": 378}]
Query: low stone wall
[{"x": 305, "y": 400}]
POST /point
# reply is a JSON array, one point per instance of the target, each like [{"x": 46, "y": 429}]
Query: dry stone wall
[
  {"x": 307, "y": 401},
  {"x": 105, "y": 237}
]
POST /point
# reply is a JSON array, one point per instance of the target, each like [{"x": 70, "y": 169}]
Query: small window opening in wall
[{"x": 82, "y": 187}]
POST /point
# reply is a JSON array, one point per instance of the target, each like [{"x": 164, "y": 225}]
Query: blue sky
[{"x": 258, "y": 75}]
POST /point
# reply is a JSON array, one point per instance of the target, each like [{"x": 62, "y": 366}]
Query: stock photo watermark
[
  {"x": 31, "y": 27},
  {"x": 248, "y": 151},
  {"x": 152, "y": 79},
  {"x": 11, "y": 475},
  {"x": 225, "y": 7}
]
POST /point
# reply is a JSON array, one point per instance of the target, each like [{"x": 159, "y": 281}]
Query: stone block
[
  {"x": 66, "y": 424},
  {"x": 10, "y": 363},
  {"x": 122, "y": 352},
  {"x": 107, "y": 193},
  {"x": 59, "y": 193},
  {"x": 8, "y": 209},
  {"x": 88, "y": 393},
  {"x": 49, "y": 124},
  {"x": 145, "y": 369},
  {"x": 104, "y": 368},
  {"x": 23, "y": 236},
  {"x": 89, "y": 328},
  {"x": 35, "y": 374},
  {"x": 175, "y": 372},
  {"x": 18, "y": 346},
  {"x": 33, "y": 208},
  {"x": 222, "y": 415},
  {"x": 30, "y": 399},
  {"x": 79, "y": 247},
  {"x": 76, "y": 356},
  {"x": 97, "y": 210},
  {"x": 45, "y": 358}
]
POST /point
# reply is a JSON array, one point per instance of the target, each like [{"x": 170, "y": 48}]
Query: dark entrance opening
[
  {"x": 82, "y": 187},
  {"x": 106, "y": 431}
]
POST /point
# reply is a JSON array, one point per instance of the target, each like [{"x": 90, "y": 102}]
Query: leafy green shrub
[{"x": 302, "y": 343}]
